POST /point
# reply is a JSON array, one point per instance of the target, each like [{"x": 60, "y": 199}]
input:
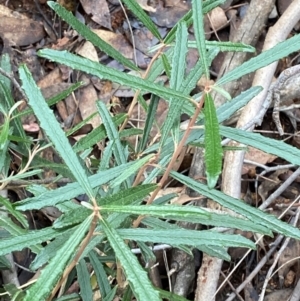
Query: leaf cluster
[{"x": 88, "y": 235}]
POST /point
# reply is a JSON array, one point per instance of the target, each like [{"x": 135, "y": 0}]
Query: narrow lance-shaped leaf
[
  {"x": 186, "y": 237},
  {"x": 53, "y": 130},
  {"x": 51, "y": 274},
  {"x": 167, "y": 211},
  {"x": 112, "y": 133},
  {"x": 177, "y": 74},
  {"x": 225, "y": 46},
  {"x": 90, "y": 36},
  {"x": 136, "y": 275},
  {"x": 84, "y": 281},
  {"x": 240, "y": 207},
  {"x": 167, "y": 65},
  {"x": 137, "y": 165},
  {"x": 149, "y": 122},
  {"x": 53, "y": 100},
  {"x": 141, "y": 15},
  {"x": 96, "y": 134},
  {"x": 271, "y": 146},
  {"x": 265, "y": 58},
  {"x": 26, "y": 239},
  {"x": 200, "y": 35},
  {"x": 52, "y": 197},
  {"x": 212, "y": 139},
  {"x": 15, "y": 122},
  {"x": 103, "y": 72},
  {"x": 102, "y": 280},
  {"x": 12, "y": 211}
]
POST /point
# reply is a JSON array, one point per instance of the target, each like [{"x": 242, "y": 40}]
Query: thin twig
[
  {"x": 258, "y": 267},
  {"x": 268, "y": 276},
  {"x": 280, "y": 190}
]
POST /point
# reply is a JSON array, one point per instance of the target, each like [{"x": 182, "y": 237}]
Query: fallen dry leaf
[
  {"x": 258, "y": 156},
  {"x": 99, "y": 11},
  {"x": 217, "y": 18},
  {"x": 117, "y": 41},
  {"x": 87, "y": 104},
  {"x": 88, "y": 51},
  {"x": 18, "y": 30}
]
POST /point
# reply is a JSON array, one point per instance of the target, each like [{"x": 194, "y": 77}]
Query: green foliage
[{"x": 116, "y": 190}]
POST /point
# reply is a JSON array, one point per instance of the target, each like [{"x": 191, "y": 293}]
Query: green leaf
[
  {"x": 80, "y": 124},
  {"x": 137, "y": 165},
  {"x": 225, "y": 46},
  {"x": 6, "y": 66},
  {"x": 156, "y": 223},
  {"x": 112, "y": 133},
  {"x": 177, "y": 74},
  {"x": 15, "y": 293},
  {"x": 167, "y": 65},
  {"x": 186, "y": 237},
  {"x": 124, "y": 197},
  {"x": 84, "y": 281},
  {"x": 22, "y": 175},
  {"x": 166, "y": 211},
  {"x": 149, "y": 121},
  {"x": 27, "y": 240},
  {"x": 70, "y": 297},
  {"x": 72, "y": 217},
  {"x": 96, "y": 135},
  {"x": 200, "y": 35},
  {"x": 142, "y": 16},
  {"x": 101, "y": 276},
  {"x": 13, "y": 120},
  {"x": 53, "y": 100},
  {"x": 49, "y": 251},
  {"x": 221, "y": 91},
  {"x": 128, "y": 196},
  {"x": 51, "y": 274},
  {"x": 230, "y": 107},
  {"x": 103, "y": 72},
  {"x": 5, "y": 263},
  {"x": 111, "y": 295},
  {"x": 170, "y": 296},
  {"x": 130, "y": 132},
  {"x": 61, "y": 169},
  {"x": 216, "y": 219},
  {"x": 265, "y": 58},
  {"x": 215, "y": 251},
  {"x": 190, "y": 81},
  {"x": 136, "y": 276},
  {"x": 4, "y": 133},
  {"x": 90, "y": 36},
  {"x": 53, "y": 129},
  {"x": 213, "y": 148},
  {"x": 223, "y": 219},
  {"x": 207, "y": 5},
  {"x": 52, "y": 197},
  {"x": 271, "y": 146},
  {"x": 239, "y": 207},
  {"x": 12, "y": 211}
]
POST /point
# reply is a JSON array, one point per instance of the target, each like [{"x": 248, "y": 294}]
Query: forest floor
[{"x": 27, "y": 26}]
